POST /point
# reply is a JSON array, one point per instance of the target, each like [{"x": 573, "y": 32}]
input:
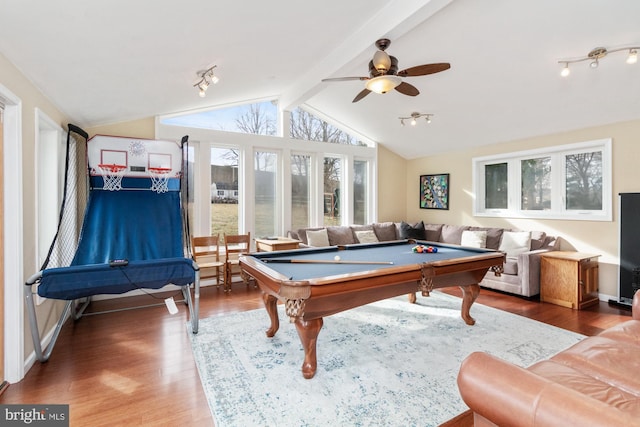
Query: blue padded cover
[
  {"x": 132, "y": 225},
  {"x": 68, "y": 283},
  {"x": 141, "y": 226}
]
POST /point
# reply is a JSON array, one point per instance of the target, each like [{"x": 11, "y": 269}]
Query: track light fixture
[
  {"x": 413, "y": 118},
  {"x": 597, "y": 54},
  {"x": 207, "y": 77}
]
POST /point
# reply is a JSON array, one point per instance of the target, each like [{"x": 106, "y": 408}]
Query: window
[
  {"x": 564, "y": 182},
  {"x": 307, "y": 127},
  {"x": 300, "y": 191},
  {"x": 258, "y": 119},
  {"x": 360, "y": 192},
  {"x": 224, "y": 184},
  {"x": 321, "y": 175},
  {"x": 266, "y": 206},
  {"x": 332, "y": 199}
]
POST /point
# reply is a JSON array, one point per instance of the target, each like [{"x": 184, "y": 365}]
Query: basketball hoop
[
  {"x": 159, "y": 179},
  {"x": 112, "y": 176}
]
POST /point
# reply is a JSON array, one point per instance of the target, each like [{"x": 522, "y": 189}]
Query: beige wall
[
  {"x": 143, "y": 128},
  {"x": 31, "y": 100},
  {"x": 585, "y": 236},
  {"x": 392, "y": 179}
]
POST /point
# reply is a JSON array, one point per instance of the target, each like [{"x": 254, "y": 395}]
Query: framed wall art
[{"x": 434, "y": 191}]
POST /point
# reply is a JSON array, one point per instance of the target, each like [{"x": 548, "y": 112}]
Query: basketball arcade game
[{"x": 134, "y": 233}]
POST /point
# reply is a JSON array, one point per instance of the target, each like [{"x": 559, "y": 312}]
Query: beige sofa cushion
[
  {"x": 433, "y": 231},
  {"x": 366, "y": 236},
  {"x": 385, "y": 231},
  {"x": 474, "y": 238},
  {"x": 452, "y": 233},
  {"x": 318, "y": 238},
  {"x": 340, "y": 235},
  {"x": 515, "y": 242}
]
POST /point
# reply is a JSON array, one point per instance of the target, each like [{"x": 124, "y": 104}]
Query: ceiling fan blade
[
  {"x": 361, "y": 95},
  {"x": 344, "y": 79},
  {"x": 407, "y": 89},
  {"x": 423, "y": 70}
]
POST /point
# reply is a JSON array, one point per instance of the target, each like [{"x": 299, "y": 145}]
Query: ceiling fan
[{"x": 384, "y": 75}]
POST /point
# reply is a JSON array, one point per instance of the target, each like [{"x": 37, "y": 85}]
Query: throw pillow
[
  {"x": 412, "y": 232},
  {"x": 318, "y": 237},
  {"x": 515, "y": 242},
  {"x": 366, "y": 236},
  {"x": 474, "y": 239},
  {"x": 385, "y": 231}
]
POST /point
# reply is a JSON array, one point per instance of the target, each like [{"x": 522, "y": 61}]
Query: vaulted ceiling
[{"x": 119, "y": 60}]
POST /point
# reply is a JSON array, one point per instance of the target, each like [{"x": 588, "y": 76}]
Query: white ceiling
[{"x": 119, "y": 60}]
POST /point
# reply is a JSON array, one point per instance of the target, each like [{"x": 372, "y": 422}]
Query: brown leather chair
[
  {"x": 235, "y": 245},
  {"x": 206, "y": 253}
]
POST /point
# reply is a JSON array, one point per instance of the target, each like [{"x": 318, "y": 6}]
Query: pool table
[{"x": 318, "y": 282}]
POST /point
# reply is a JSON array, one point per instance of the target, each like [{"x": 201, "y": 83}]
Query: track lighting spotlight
[
  {"x": 414, "y": 118},
  {"x": 206, "y": 78},
  {"x": 595, "y": 55}
]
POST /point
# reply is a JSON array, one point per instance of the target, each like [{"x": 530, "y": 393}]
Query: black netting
[{"x": 74, "y": 200}]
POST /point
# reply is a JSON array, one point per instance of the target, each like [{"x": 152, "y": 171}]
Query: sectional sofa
[{"x": 523, "y": 248}]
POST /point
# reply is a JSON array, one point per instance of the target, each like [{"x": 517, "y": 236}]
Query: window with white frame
[{"x": 563, "y": 182}]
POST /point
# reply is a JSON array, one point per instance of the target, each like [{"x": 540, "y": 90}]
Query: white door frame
[{"x": 13, "y": 257}]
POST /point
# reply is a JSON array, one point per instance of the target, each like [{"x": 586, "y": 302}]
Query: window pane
[
  {"x": 536, "y": 184},
  {"x": 332, "y": 202},
  {"x": 265, "y": 198},
  {"x": 495, "y": 182},
  {"x": 258, "y": 119},
  {"x": 360, "y": 192},
  {"x": 224, "y": 191},
  {"x": 307, "y": 127},
  {"x": 300, "y": 183},
  {"x": 584, "y": 181}
]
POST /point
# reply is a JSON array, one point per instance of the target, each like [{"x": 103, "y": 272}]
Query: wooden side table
[
  {"x": 278, "y": 244},
  {"x": 569, "y": 279}
]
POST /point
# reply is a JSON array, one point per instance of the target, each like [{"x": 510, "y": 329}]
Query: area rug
[{"x": 389, "y": 363}]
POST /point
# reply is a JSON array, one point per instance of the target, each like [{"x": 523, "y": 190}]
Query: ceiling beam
[{"x": 392, "y": 21}]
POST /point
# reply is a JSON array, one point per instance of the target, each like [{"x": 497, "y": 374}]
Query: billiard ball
[{"x": 336, "y": 258}]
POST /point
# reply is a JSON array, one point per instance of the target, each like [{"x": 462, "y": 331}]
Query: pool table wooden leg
[
  {"x": 469, "y": 295},
  {"x": 271, "y": 304},
  {"x": 308, "y": 331}
]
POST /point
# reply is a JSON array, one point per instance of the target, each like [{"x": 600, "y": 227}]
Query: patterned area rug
[{"x": 389, "y": 363}]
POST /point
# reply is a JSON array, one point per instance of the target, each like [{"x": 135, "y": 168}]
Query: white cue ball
[{"x": 337, "y": 257}]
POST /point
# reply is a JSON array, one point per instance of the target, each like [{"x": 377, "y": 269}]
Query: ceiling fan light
[
  {"x": 594, "y": 64},
  {"x": 383, "y": 84},
  {"x": 632, "y": 58},
  {"x": 381, "y": 61},
  {"x": 565, "y": 71},
  {"x": 214, "y": 79}
]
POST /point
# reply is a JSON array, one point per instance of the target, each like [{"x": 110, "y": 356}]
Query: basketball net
[
  {"x": 112, "y": 176},
  {"x": 159, "y": 179}
]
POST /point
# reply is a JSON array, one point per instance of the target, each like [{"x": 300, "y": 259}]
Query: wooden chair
[
  {"x": 206, "y": 253},
  {"x": 235, "y": 245}
]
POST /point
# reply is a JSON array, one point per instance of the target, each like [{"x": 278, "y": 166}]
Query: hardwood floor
[{"x": 135, "y": 367}]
